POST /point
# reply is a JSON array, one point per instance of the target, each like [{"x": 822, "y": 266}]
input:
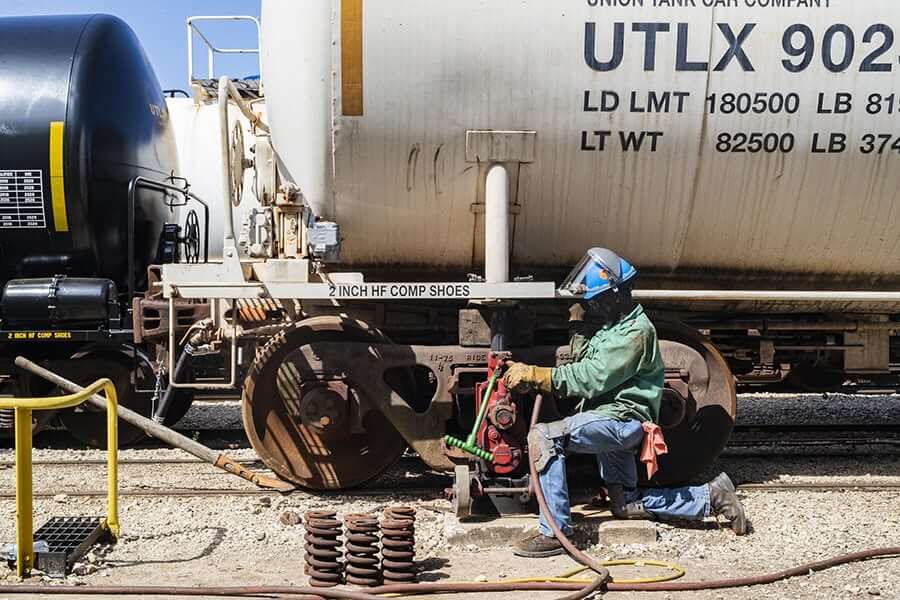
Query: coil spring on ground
[
  {"x": 323, "y": 549},
  {"x": 7, "y": 418},
  {"x": 398, "y": 541},
  {"x": 362, "y": 562}
]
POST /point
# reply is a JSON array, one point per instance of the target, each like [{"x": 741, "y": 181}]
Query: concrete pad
[
  {"x": 502, "y": 531},
  {"x": 592, "y": 526},
  {"x": 626, "y": 532}
]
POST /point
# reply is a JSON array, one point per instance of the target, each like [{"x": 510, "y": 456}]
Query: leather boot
[
  {"x": 625, "y": 510},
  {"x": 538, "y": 546},
  {"x": 600, "y": 500},
  {"x": 724, "y": 501}
]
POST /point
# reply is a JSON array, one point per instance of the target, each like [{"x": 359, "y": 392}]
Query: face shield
[{"x": 598, "y": 270}]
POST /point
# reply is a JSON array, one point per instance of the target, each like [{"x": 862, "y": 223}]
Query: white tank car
[
  {"x": 735, "y": 138},
  {"x": 196, "y": 127}
]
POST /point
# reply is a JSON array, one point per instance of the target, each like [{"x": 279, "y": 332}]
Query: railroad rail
[
  {"x": 770, "y": 428},
  {"x": 829, "y": 439},
  {"x": 93, "y": 462},
  {"x": 747, "y": 441},
  {"x": 437, "y": 489},
  {"x": 837, "y": 447},
  {"x": 777, "y": 486},
  {"x": 818, "y": 436},
  {"x": 233, "y": 492}
]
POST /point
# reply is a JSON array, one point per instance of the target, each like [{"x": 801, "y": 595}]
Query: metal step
[{"x": 68, "y": 539}]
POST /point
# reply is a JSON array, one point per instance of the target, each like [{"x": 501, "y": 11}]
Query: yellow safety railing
[{"x": 24, "y": 483}]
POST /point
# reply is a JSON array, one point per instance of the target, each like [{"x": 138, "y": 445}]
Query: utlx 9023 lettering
[{"x": 835, "y": 46}]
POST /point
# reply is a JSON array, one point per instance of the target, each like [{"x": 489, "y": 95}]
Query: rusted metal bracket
[{"x": 226, "y": 463}]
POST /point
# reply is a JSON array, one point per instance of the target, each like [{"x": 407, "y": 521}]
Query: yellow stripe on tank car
[
  {"x": 57, "y": 177},
  {"x": 352, "y": 57}
]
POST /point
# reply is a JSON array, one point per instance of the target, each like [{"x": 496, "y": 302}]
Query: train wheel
[
  {"x": 697, "y": 426},
  {"x": 88, "y": 424},
  {"x": 316, "y": 431},
  {"x": 462, "y": 492}
]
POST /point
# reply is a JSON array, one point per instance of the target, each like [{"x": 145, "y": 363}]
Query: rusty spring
[
  {"x": 398, "y": 541},
  {"x": 323, "y": 549},
  {"x": 362, "y": 563}
]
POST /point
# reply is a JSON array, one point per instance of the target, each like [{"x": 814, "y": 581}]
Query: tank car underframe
[
  {"x": 812, "y": 350},
  {"x": 335, "y": 450},
  {"x": 306, "y": 402}
]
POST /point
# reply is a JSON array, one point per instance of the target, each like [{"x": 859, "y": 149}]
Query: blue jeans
[{"x": 616, "y": 444}]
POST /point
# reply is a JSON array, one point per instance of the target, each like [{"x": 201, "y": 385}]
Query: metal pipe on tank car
[
  {"x": 765, "y": 296},
  {"x": 496, "y": 225},
  {"x": 232, "y": 379},
  {"x": 225, "y": 161},
  {"x": 190, "y": 52},
  {"x": 243, "y": 105},
  {"x": 826, "y": 326}
]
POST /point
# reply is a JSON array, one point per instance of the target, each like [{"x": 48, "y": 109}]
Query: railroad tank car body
[
  {"x": 81, "y": 115},
  {"x": 739, "y": 141}
]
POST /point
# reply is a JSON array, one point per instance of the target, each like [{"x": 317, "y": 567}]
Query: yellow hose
[{"x": 677, "y": 572}]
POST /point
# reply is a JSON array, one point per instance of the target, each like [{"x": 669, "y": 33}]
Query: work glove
[{"x": 522, "y": 378}]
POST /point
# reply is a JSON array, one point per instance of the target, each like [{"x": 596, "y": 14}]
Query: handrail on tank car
[
  {"x": 159, "y": 186},
  {"x": 212, "y": 49}
]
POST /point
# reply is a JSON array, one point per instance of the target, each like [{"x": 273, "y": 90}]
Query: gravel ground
[
  {"x": 824, "y": 409},
  {"x": 242, "y": 540}
]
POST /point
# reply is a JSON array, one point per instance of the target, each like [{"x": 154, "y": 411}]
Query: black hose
[
  {"x": 181, "y": 367},
  {"x": 764, "y": 579},
  {"x": 442, "y": 588}
]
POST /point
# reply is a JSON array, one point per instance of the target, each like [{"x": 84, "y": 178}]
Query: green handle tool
[{"x": 469, "y": 444}]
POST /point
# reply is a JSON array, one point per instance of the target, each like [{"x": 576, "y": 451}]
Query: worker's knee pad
[{"x": 542, "y": 442}]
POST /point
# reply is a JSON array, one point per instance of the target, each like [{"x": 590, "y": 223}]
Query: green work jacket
[{"x": 617, "y": 370}]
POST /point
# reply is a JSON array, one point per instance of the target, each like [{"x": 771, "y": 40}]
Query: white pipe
[
  {"x": 765, "y": 296},
  {"x": 190, "y": 52},
  {"x": 496, "y": 225},
  {"x": 225, "y": 161},
  {"x": 243, "y": 105}
]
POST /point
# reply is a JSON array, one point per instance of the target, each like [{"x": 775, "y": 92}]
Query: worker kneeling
[{"x": 618, "y": 372}]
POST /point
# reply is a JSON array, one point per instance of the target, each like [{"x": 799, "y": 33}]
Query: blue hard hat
[{"x": 606, "y": 271}]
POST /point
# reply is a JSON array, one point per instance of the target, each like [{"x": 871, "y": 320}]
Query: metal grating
[{"x": 68, "y": 539}]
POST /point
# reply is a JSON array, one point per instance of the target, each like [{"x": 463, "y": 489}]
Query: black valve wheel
[{"x": 191, "y": 240}]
